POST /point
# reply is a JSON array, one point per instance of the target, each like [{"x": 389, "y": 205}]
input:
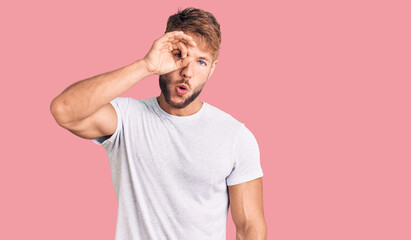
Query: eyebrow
[{"x": 205, "y": 58}]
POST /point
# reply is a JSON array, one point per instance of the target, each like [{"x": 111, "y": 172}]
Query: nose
[{"x": 187, "y": 71}]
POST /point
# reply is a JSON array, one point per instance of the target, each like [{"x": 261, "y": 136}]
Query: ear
[{"x": 213, "y": 65}]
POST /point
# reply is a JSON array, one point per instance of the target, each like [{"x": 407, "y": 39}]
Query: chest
[{"x": 201, "y": 156}]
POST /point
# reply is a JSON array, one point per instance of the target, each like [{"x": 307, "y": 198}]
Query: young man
[{"x": 177, "y": 163}]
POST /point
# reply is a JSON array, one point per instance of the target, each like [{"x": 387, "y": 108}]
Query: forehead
[{"x": 202, "y": 50}]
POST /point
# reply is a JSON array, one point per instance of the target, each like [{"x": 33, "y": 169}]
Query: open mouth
[{"x": 181, "y": 89}]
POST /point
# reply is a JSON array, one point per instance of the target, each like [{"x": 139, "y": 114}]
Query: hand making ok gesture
[{"x": 169, "y": 53}]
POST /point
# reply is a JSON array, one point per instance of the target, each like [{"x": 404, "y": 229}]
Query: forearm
[{"x": 83, "y": 98}]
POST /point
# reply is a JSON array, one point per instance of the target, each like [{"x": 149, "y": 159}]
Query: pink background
[{"x": 323, "y": 85}]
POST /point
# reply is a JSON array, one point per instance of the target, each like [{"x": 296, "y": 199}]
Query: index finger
[
  {"x": 180, "y": 35},
  {"x": 190, "y": 42}
]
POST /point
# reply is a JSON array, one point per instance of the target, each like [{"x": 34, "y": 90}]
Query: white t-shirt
[{"x": 170, "y": 173}]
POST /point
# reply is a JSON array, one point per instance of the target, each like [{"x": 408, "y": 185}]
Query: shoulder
[
  {"x": 139, "y": 102},
  {"x": 121, "y": 100},
  {"x": 129, "y": 106},
  {"x": 133, "y": 103},
  {"x": 223, "y": 119},
  {"x": 229, "y": 123}
]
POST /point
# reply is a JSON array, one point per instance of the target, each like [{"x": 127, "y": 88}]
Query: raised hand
[{"x": 169, "y": 53}]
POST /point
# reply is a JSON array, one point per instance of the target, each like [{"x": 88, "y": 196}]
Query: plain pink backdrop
[{"x": 323, "y": 85}]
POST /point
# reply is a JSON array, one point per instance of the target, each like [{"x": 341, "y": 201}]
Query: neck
[{"x": 190, "y": 109}]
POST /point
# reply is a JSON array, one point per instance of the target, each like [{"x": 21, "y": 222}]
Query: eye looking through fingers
[
  {"x": 180, "y": 47},
  {"x": 176, "y": 52}
]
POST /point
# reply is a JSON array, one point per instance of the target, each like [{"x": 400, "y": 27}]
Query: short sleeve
[
  {"x": 247, "y": 165},
  {"x": 120, "y": 105}
]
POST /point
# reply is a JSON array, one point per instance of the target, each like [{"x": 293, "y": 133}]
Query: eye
[
  {"x": 178, "y": 55},
  {"x": 202, "y": 62}
]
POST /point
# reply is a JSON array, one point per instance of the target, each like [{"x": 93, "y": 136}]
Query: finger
[
  {"x": 189, "y": 39},
  {"x": 185, "y": 38},
  {"x": 179, "y": 34},
  {"x": 169, "y": 36},
  {"x": 175, "y": 37},
  {"x": 183, "y": 49},
  {"x": 184, "y": 61},
  {"x": 180, "y": 47},
  {"x": 174, "y": 34},
  {"x": 191, "y": 43},
  {"x": 174, "y": 48}
]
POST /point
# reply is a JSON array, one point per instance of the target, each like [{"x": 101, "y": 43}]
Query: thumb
[{"x": 184, "y": 61}]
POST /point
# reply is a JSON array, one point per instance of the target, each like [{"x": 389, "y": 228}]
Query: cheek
[
  {"x": 202, "y": 70},
  {"x": 170, "y": 77}
]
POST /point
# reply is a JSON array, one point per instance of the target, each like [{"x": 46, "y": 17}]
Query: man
[{"x": 177, "y": 163}]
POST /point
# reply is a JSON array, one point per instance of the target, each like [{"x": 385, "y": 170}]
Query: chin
[{"x": 178, "y": 102}]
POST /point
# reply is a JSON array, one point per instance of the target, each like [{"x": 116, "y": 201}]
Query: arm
[
  {"x": 246, "y": 202},
  {"x": 83, "y": 98},
  {"x": 84, "y": 107}
]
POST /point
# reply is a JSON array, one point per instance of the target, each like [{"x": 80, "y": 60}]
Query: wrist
[
  {"x": 142, "y": 68},
  {"x": 148, "y": 69}
]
